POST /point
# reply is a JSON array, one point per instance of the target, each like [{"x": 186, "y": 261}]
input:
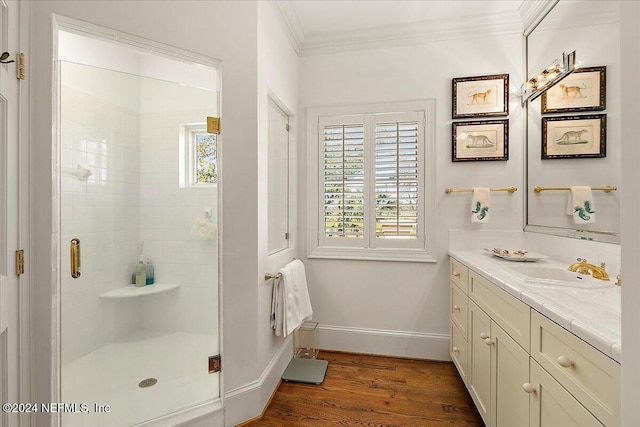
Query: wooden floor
[{"x": 365, "y": 390}]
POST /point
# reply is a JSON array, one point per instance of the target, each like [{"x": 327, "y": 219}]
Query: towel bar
[
  {"x": 268, "y": 276},
  {"x": 470, "y": 190},
  {"x": 606, "y": 188}
]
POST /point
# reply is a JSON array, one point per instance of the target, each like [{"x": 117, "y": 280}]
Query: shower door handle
[{"x": 75, "y": 258}]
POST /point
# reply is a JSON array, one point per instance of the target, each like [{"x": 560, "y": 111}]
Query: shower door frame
[{"x": 213, "y": 408}]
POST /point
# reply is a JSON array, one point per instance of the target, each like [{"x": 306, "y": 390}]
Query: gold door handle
[{"x": 75, "y": 258}]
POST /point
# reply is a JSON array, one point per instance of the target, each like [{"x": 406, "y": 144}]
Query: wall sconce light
[{"x": 558, "y": 70}]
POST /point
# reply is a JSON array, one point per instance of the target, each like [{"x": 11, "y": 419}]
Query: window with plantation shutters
[{"x": 371, "y": 186}]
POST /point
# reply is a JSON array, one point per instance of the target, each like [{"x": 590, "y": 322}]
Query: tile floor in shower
[{"x": 111, "y": 374}]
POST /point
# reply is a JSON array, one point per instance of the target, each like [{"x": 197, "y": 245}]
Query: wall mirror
[{"x": 592, "y": 29}]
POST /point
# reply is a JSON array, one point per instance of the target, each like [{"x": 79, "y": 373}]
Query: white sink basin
[{"x": 558, "y": 276}]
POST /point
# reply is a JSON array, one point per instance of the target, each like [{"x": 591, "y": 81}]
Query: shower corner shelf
[{"x": 131, "y": 291}]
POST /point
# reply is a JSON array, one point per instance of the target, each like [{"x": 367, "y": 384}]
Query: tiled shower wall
[
  {"x": 129, "y": 138},
  {"x": 99, "y": 131},
  {"x": 168, "y": 212}
]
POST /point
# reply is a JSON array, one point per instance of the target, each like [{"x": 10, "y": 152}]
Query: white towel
[
  {"x": 276, "y": 306},
  {"x": 480, "y": 204},
  {"x": 580, "y": 205},
  {"x": 290, "y": 305}
]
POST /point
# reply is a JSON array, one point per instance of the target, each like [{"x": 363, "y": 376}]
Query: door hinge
[
  {"x": 215, "y": 364},
  {"x": 286, "y": 127},
  {"x": 20, "y": 67},
  {"x": 286, "y": 236},
  {"x": 213, "y": 125},
  {"x": 19, "y": 262}
]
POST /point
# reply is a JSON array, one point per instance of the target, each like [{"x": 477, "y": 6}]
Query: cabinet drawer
[
  {"x": 508, "y": 312},
  {"x": 459, "y": 274},
  {"x": 458, "y": 303},
  {"x": 458, "y": 351},
  {"x": 590, "y": 376}
]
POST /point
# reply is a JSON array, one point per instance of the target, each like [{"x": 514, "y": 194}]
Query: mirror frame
[{"x": 544, "y": 8}]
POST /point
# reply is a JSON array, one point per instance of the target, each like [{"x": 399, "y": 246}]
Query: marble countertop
[{"x": 594, "y": 315}]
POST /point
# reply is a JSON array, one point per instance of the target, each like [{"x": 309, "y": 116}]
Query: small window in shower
[{"x": 200, "y": 156}]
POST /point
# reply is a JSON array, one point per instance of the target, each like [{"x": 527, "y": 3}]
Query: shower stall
[{"x": 137, "y": 178}]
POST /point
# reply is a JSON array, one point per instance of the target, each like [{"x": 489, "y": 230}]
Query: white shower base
[{"x": 110, "y": 376}]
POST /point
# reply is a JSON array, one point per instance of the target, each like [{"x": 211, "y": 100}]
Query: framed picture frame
[
  {"x": 482, "y": 96},
  {"x": 568, "y": 137},
  {"x": 480, "y": 140},
  {"x": 583, "y": 90}
]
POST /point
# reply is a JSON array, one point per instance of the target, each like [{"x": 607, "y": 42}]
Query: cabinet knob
[
  {"x": 456, "y": 308},
  {"x": 484, "y": 335},
  {"x": 565, "y": 362},
  {"x": 489, "y": 341},
  {"x": 455, "y": 349},
  {"x": 528, "y": 388},
  {"x": 456, "y": 274}
]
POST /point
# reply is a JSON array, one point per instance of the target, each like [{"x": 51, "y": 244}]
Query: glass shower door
[{"x": 128, "y": 149}]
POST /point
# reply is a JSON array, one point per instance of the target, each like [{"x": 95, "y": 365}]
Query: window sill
[{"x": 396, "y": 255}]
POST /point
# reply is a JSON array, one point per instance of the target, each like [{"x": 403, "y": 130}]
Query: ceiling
[
  {"x": 315, "y": 25},
  {"x": 347, "y": 15}
]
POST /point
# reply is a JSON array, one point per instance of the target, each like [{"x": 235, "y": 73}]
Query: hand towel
[
  {"x": 276, "y": 306},
  {"x": 580, "y": 205},
  {"x": 480, "y": 204},
  {"x": 296, "y": 301}
]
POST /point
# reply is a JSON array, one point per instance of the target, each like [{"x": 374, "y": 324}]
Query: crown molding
[
  {"x": 291, "y": 24},
  {"x": 534, "y": 11},
  {"x": 418, "y": 32}
]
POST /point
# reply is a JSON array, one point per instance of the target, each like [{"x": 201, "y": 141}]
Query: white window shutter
[
  {"x": 396, "y": 179},
  {"x": 342, "y": 181}
]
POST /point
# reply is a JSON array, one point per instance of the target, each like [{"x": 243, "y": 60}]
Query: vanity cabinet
[
  {"x": 522, "y": 369},
  {"x": 496, "y": 365}
]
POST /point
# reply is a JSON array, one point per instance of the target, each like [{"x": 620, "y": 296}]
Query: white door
[{"x": 9, "y": 170}]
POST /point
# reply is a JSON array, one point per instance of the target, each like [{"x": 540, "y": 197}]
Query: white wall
[
  {"x": 630, "y": 121},
  {"x": 395, "y": 307},
  {"x": 226, "y": 30},
  {"x": 278, "y": 79}
]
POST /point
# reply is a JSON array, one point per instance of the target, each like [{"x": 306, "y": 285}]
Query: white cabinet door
[
  {"x": 510, "y": 364},
  {"x": 479, "y": 376},
  {"x": 552, "y": 405}
]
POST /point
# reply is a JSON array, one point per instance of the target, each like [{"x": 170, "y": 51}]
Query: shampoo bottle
[
  {"x": 149, "y": 272},
  {"x": 141, "y": 273}
]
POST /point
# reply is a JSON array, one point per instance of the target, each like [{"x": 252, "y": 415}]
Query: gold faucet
[{"x": 582, "y": 267}]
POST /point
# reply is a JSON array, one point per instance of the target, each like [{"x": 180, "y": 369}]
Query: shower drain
[{"x": 147, "y": 382}]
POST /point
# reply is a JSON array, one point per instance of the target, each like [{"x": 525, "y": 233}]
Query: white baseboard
[
  {"x": 385, "y": 342},
  {"x": 248, "y": 401}
]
